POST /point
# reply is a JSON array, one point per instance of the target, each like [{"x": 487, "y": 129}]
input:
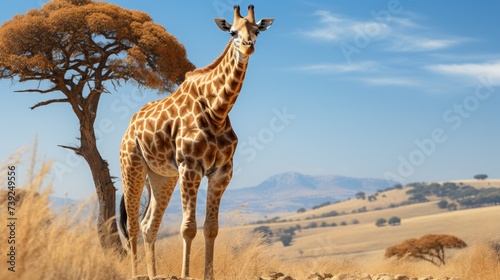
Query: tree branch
[
  {"x": 49, "y": 102},
  {"x": 74, "y": 149},
  {"x": 39, "y": 90}
]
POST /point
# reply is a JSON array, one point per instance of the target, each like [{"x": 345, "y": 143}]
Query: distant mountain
[
  {"x": 279, "y": 194},
  {"x": 287, "y": 192}
]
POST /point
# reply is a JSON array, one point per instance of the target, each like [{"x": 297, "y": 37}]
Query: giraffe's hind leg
[
  {"x": 161, "y": 191},
  {"x": 133, "y": 175}
]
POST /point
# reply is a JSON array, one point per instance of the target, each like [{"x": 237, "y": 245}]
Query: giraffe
[{"x": 186, "y": 136}]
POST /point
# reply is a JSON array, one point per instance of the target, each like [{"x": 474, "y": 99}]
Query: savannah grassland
[{"x": 65, "y": 245}]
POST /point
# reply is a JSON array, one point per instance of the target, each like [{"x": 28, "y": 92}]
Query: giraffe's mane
[{"x": 202, "y": 71}]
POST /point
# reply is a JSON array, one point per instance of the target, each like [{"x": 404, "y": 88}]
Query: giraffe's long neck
[{"x": 223, "y": 83}]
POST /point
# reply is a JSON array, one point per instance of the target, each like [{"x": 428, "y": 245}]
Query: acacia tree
[
  {"x": 82, "y": 48},
  {"x": 428, "y": 247},
  {"x": 480, "y": 177}
]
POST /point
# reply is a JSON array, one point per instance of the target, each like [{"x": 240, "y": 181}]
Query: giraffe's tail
[{"x": 124, "y": 216}]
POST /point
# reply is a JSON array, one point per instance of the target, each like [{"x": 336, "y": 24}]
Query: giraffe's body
[{"x": 187, "y": 136}]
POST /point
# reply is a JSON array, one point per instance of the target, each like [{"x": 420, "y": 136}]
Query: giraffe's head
[{"x": 244, "y": 30}]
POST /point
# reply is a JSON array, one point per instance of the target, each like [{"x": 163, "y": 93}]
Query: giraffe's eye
[{"x": 232, "y": 33}]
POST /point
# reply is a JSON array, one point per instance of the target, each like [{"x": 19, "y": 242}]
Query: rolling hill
[
  {"x": 285, "y": 193},
  {"x": 352, "y": 232}
]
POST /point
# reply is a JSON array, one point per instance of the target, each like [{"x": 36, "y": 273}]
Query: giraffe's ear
[
  {"x": 223, "y": 24},
  {"x": 265, "y": 23}
]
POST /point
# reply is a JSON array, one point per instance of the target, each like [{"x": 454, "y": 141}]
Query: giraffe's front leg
[
  {"x": 217, "y": 184},
  {"x": 191, "y": 175}
]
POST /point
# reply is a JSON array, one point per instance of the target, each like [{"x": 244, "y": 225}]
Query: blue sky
[{"x": 406, "y": 90}]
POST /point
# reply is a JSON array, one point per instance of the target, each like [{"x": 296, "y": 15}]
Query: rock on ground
[
  {"x": 321, "y": 276},
  {"x": 357, "y": 276}
]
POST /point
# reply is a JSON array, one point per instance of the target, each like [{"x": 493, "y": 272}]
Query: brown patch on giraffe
[
  {"x": 192, "y": 192},
  {"x": 234, "y": 85},
  {"x": 199, "y": 149}
]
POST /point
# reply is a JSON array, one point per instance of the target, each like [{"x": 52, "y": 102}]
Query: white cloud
[
  {"x": 336, "y": 28},
  {"x": 405, "y": 43},
  {"x": 485, "y": 72},
  {"x": 400, "y": 34},
  {"x": 339, "y": 67},
  {"x": 393, "y": 81}
]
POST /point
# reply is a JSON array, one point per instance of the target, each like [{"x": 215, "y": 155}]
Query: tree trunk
[
  {"x": 106, "y": 193},
  {"x": 106, "y": 221}
]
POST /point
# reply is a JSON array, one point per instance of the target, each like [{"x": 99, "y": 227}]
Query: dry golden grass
[
  {"x": 50, "y": 246},
  {"x": 366, "y": 238},
  {"x": 65, "y": 246}
]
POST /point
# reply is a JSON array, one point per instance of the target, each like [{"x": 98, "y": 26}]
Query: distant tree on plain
[
  {"x": 418, "y": 197},
  {"x": 394, "y": 221},
  {"x": 286, "y": 240},
  {"x": 264, "y": 230},
  {"x": 480, "y": 176},
  {"x": 443, "y": 204},
  {"x": 301, "y": 210},
  {"x": 381, "y": 222},
  {"x": 452, "y": 206},
  {"x": 360, "y": 195},
  {"x": 429, "y": 248}
]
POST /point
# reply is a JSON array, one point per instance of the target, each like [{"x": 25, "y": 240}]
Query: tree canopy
[
  {"x": 72, "y": 43},
  {"x": 481, "y": 177}
]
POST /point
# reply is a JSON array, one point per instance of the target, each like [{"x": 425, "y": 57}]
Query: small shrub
[
  {"x": 286, "y": 240},
  {"x": 443, "y": 204},
  {"x": 313, "y": 225},
  {"x": 394, "y": 221},
  {"x": 264, "y": 230},
  {"x": 381, "y": 222},
  {"x": 452, "y": 206}
]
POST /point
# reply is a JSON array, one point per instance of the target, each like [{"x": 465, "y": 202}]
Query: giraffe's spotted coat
[{"x": 187, "y": 136}]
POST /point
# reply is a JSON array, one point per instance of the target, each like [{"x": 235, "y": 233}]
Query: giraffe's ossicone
[{"x": 186, "y": 136}]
